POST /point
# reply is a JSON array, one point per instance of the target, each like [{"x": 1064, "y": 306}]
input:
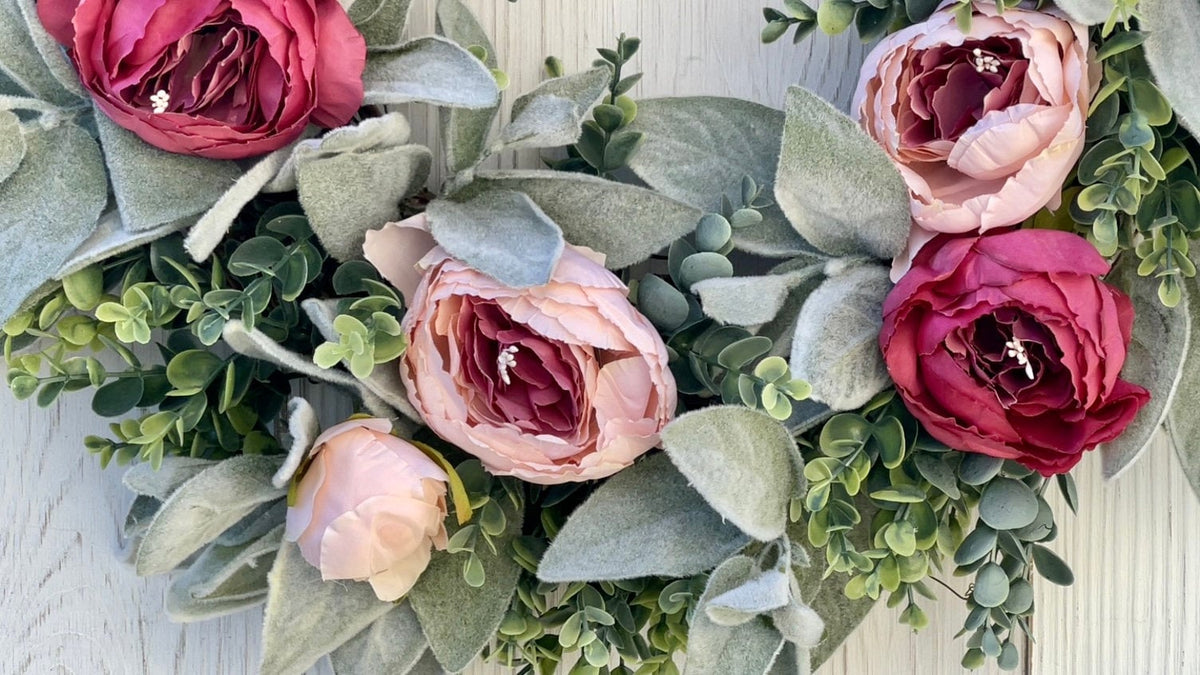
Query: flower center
[
  {"x": 160, "y": 100},
  {"x": 985, "y": 62},
  {"x": 507, "y": 359},
  {"x": 1016, "y": 350}
]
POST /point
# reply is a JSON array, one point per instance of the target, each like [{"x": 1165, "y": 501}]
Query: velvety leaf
[
  {"x": 464, "y": 132},
  {"x": 12, "y": 144},
  {"x": 381, "y": 22},
  {"x": 211, "y": 228},
  {"x": 110, "y": 238},
  {"x": 836, "y": 185},
  {"x": 551, "y": 114},
  {"x": 1087, "y": 12},
  {"x": 626, "y": 223},
  {"x": 836, "y": 345},
  {"x": 306, "y": 618},
  {"x": 392, "y": 644},
  {"x": 746, "y": 649},
  {"x": 1172, "y": 51},
  {"x": 203, "y": 507},
  {"x": 1156, "y": 359},
  {"x": 644, "y": 521},
  {"x": 224, "y": 579},
  {"x": 430, "y": 70},
  {"x": 303, "y": 427},
  {"x": 482, "y": 231},
  {"x": 159, "y": 483},
  {"x": 153, "y": 186},
  {"x": 742, "y": 461},
  {"x": 22, "y": 45},
  {"x": 459, "y": 620},
  {"x": 137, "y": 519},
  {"x": 750, "y": 301},
  {"x": 1182, "y": 421},
  {"x": 47, "y": 207},
  {"x": 759, "y": 594},
  {"x": 345, "y": 194}
]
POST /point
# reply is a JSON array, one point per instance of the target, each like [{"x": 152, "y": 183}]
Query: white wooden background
[{"x": 70, "y": 606}]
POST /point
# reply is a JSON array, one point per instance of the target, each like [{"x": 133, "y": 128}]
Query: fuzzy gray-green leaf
[
  {"x": 836, "y": 344},
  {"x": 224, "y": 579},
  {"x": 48, "y": 206},
  {"x": 430, "y": 70},
  {"x": 1086, "y": 12},
  {"x": 746, "y": 649},
  {"x": 381, "y": 22},
  {"x": 750, "y": 301},
  {"x": 644, "y": 521},
  {"x": 500, "y": 233},
  {"x": 153, "y": 186},
  {"x": 626, "y": 223},
  {"x": 12, "y": 144},
  {"x": 1182, "y": 421},
  {"x": 392, "y": 644},
  {"x": 306, "y": 618},
  {"x": 464, "y": 132},
  {"x": 1155, "y": 359},
  {"x": 552, "y": 113},
  {"x": 458, "y": 619},
  {"x": 741, "y": 461},
  {"x": 22, "y": 45},
  {"x": 144, "y": 480},
  {"x": 1172, "y": 51},
  {"x": 836, "y": 185}
]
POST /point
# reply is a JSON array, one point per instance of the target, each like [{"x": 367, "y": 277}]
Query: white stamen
[
  {"x": 506, "y": 360},
  {"x": 1017, "y": 351},
  {"x": 987, "y": 63},
  {"x": 160, "y": 100}
]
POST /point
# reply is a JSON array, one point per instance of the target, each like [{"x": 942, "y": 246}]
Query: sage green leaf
[
  {"x": 345, "y": 194},
  {"x": 792, "y": 660},
  {"x": 626, "y": 223},
  {"x": 758, "y": 594},
  {"x": 23, "y": 42},
  {"x": 143, "y": 479},
  {"x": 430, "y": 70},
  {"x": 460, "y": 620},
  {"x": 306, "y": 618},
  {"x": 12, "y": 144},
  {"x": 210, "y": 230},
  {"x": 303, "y": 427},
  {"x": 551, "y": 114},
  {"x": 644, "y": 521},
  {"x": 1183, "y": 423},
  {"x": 224, "y": 579},
  {"x": 500, "y": 233},
  {"x": 153, "y": 186},
  {"x": 751, "y": 301},
  {"x": 836, "y": 185},
  {"x": 741, "y": 461},
  {"x": 1156, "y": 359},
  {"x": 836, "y": 344},
  {"x": 47, "y": 207},
  {"x": 1008, "y": 504},
  {"x": 137, "y": 519},
  {"x": 381, "y": 22},
  {"x": 746, "y": 649},
  {"x": 53, "y": 55},
  {"x": 797, "y": 622},
  {"x": 1172, "y": 51},
  {"x": 110, "y": 238},
  {"x": 203, "y": 508},
  {"x": 427, "y": 665},
  {"x": 1086, "y": 12},
  {"x": 384, "y": 383},
  {"x": 392, "y": 644},
  {"x": 465, "y": 132}
]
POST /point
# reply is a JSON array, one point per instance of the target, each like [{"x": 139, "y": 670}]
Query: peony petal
[
  {"x": 395, "y": 250},
  {"x": 1005, "y": 140}
]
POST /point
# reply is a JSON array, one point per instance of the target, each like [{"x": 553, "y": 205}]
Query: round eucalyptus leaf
[
  {"x": 1052, "y": 567},
  {"x": 713, "y": 232},
  {"x": 991, "y": 586},
  {"x": 661, "y": 302},
  {"x": 1008, "y": 504},
  {"x": 1041, "y": 526},
  {"x": 118, "y": 397},
  {"x": 978, "y": 469},
  {"x": 1020, "y": 597},
  {"x": 704, "y": 265},
  {"x": 975, "y": 546},
  {"x": 1010, "y": 658}
]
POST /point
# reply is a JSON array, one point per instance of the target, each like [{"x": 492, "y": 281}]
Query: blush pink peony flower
[
  {"x": 370, "y": 508},
  {"x": 984, "y": 127},
  {"x": 555, "y": 383},
  {"x": 224, "y": 79}
]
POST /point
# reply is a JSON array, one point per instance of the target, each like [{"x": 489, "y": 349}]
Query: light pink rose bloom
[
  {"x": 985, "y": 127},
  {"x": 370, "y": 507},
  {"x": 555, "y": 383}
]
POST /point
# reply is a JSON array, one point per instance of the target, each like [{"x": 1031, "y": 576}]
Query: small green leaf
[
  {"x": 1008, "y": 504},
  {"x": 1051, "y": 567}
]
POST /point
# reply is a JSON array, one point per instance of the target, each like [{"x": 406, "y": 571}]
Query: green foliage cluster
[
  {"x": 606, "y": 144},
  {"x": 875, "y": 475},
  {"x": 368, "y": 327},
  {"x": 1136, "y": 186},
  {"x": 708, "y": 358}
]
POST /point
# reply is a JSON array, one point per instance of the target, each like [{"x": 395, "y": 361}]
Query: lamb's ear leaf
[
  {"x": 31, "y": 59},
  {"x": 748, "y": 648},
  {"x": 1172, "y": 52},
  {"x": 224, "y": 579},
  {"x": 1086, "y": 12},
  {"x": 429, "y": 70},
  {"x": 1182, "y": 421},
  {"x": 394, "y": 643},
  {"x": 307, "y": 618},
  {"x": 381, "y": 22},
  {"x": 836, "y": 185},
  {"x": 1156, "y": 359},
  {"x": 465, "y": 132},
  {"x": 644, "y": 521},
  {"x": 552, "y": 114}
]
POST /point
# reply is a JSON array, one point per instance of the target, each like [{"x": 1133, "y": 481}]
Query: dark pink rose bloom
[
  {"x": 1010, "y": 345},
  {"x": 223, "y": 79}
]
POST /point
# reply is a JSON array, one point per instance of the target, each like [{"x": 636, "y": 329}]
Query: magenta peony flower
[
  {"x": 1010, "y": 345},
  {"x": 224, "y": 79},
  {"x": 984, "y": 127},
  {"x": 556, "y": 383},
  {"x": 370, "y": 507}
]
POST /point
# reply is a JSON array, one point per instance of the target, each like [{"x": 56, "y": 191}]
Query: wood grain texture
[{"x": 71, "y": 606}]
